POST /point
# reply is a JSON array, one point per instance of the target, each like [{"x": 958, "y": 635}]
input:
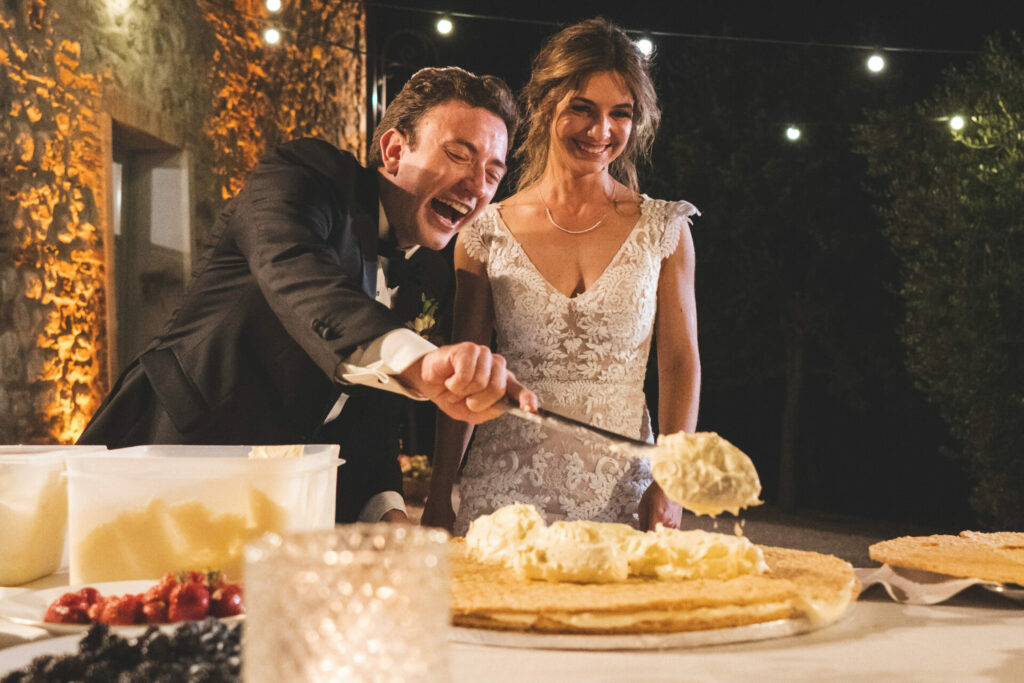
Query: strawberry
[
  {"x": 65, "y": 614},
  {"x": 122, "y": 611},
  {"x": 189, "y": 602},
  {"x": 70, "y": 600},
  {"x": 155, "y": 611},
  {"x": 190, "y": 576},
  {"x": 96, "y": 608},
  {"x": 181, "y": 596},
  {"x": 89, "y": 595},
  {"x": 162, "y": 590},
  {"x": 226, "y": 601}
]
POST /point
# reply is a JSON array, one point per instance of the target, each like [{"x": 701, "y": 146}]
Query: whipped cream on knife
[{"x": 704, "y": 473}]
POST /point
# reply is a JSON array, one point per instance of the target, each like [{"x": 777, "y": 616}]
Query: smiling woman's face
[
  {"x": 448, "y": 177},
  {"x": 591, "y": 126}
]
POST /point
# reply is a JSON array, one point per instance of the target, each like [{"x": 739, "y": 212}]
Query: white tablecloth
[{"x": 976, "y": 637}]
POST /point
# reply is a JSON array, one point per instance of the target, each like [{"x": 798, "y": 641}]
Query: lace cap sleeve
[
  {"x": 476, "y": 236},
  {"x": 676, "y": 217}
]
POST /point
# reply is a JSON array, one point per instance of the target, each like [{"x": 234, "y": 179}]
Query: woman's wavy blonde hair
[{"x": 562, "y": 66}]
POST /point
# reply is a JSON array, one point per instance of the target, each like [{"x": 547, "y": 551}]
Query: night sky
[
  {"x": 502, "y": 37},
  {"x": 505, "y": 47}
]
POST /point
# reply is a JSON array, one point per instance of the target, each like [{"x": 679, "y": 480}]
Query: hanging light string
[
  {"x": 793, "y": 132},
  {"x": 674, "y": 34},
  {"x": 644, "y": 33}
]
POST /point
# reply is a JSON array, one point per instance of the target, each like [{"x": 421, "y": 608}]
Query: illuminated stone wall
[
  {"x": 195, "y": 75},
  {"x": 313, "y": 83}
]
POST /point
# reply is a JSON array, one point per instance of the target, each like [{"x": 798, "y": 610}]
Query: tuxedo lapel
[{"x": 364, "y": 225}]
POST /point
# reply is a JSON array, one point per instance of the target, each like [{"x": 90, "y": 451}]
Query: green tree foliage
[
  {"x": 802, "y": 365},
  {"x": 953, "y": 208}
]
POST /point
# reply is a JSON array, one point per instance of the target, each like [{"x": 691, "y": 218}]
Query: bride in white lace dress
[{"x": 575, "y": 274}]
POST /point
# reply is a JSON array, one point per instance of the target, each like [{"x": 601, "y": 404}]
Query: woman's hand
[{"x": 656, "y": 508}]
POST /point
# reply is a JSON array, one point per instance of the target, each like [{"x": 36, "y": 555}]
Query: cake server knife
[
  {"x": 551, "y": 419},
  {"x": 722, "y": 482}
]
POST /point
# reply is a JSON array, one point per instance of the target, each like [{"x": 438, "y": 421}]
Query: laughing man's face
[{"x": 447, "y": 177}]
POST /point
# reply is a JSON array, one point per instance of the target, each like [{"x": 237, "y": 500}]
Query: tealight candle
[{"x": 359, "y": 603}]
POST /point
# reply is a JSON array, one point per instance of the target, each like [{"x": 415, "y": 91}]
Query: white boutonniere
[{"x": 424, "y": 323}]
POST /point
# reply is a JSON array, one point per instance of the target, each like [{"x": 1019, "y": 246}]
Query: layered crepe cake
[
  {"x": 514, "y": 573},
  {"x": 996, "y": 556}
]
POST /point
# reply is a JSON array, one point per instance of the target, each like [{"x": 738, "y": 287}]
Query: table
[{"x": 976, "y": 636}]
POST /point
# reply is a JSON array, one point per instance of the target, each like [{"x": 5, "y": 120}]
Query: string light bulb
[
  {"x": 444, "y": 26},
  {"x": 956, "y": 122},
  {"x": 876, "y": 63},
  {"x": 273, "y": 5},
  {"x": 792, "y": 133},
  {"x": 645, "y": 46},
  {"x": 272, "y": 36}
]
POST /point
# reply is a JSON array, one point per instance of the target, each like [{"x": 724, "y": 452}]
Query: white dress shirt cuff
[
  {"x": 380, "y": 504},
  {"x": 374, "y": 364}
]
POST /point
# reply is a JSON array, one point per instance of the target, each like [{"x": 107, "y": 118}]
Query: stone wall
[{"x": 196, "y": 76}]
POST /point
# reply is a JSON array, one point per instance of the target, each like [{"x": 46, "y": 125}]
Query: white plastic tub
[
  {"x": 33, "y": 510},
  {"x": 138, "y": 513}
]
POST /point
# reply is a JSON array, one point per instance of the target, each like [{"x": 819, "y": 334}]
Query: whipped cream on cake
[
  {"x": 581, "y": 591},
  {"x": 516, "y": 537}
]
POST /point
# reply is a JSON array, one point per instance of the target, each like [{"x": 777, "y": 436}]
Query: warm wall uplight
[
  {"x": 53, "y": 236},
  {"x": 792, "y": 133},
  {"x": 272, "y": 36},
  {"x": 956, "y": 122},
  {"x": 444, "y": 26},
  {"x": 273, "y": 5},
  {"x": 876, "y": 63},
  {"x": 645, "y": 45}
]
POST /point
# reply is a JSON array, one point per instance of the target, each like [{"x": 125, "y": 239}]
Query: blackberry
[
  {"x": 65, "y": 668},
  {"x": 158, "y": 647},
  {"x": 95, "y": 639},
  {"x": 197, "y": 652},
  {"x": 100, "y": 672}
]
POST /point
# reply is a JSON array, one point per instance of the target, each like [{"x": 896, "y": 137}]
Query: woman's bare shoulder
[{"x": 626, "y": 201}]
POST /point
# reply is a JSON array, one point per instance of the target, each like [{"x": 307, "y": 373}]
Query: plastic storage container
[
  {"x": 138, "y": 513},
  {"x": 33, "y": 510}
]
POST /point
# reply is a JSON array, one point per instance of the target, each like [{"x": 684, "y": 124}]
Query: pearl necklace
[{"x": 572, "y": 232}]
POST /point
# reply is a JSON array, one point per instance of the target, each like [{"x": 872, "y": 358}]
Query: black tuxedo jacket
[{"x": 284, "y": 293}]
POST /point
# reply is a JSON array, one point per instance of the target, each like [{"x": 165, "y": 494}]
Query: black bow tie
[
  {"x": 395, "y": 261},
  {"x": 388, "y": 248}
]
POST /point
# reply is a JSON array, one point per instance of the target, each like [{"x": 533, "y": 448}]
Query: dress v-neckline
[{"x": 593, "y": 285}]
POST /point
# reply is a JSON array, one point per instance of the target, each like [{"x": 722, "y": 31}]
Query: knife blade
[{"x": 551, "y": 419}]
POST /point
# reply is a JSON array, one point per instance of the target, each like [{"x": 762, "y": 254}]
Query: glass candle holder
[{"x": 360, "y": 603}]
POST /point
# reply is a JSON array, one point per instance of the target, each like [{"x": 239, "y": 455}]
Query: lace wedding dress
[{"x": 586, "y": 357}]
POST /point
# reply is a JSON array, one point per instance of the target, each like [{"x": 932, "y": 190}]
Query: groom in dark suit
[{"x": 286, "y": 335}]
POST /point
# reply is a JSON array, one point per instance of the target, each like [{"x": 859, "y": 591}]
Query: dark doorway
[{"x": 152, "y": 236}]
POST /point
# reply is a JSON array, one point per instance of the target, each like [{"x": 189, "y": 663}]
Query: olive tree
[{"x": 952, "y": 201}]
